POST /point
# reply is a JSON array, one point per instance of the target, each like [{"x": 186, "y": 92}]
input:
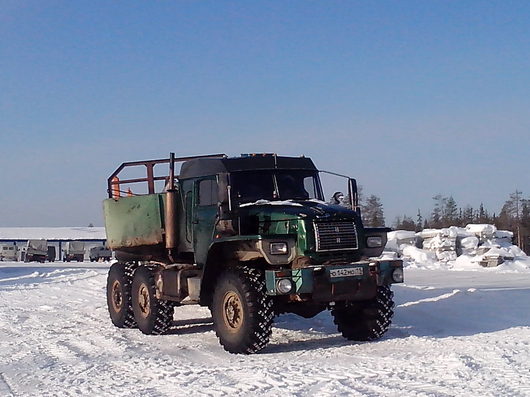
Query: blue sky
[{"x": 413, "y": 98}]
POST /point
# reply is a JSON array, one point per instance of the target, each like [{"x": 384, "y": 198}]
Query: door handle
[{"x": 195, "y": 222}]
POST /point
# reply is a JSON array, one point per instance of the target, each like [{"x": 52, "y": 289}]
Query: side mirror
[
  {"x": 354, "y": 197},
  {"x": 223, "y": 187},
  {"x": 223, "y": 196}
]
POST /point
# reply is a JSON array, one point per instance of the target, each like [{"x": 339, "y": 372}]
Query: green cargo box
[{"x": 134, "y": 221}]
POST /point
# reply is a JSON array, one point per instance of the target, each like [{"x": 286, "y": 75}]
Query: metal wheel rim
[
  {"x": 233, "y": 311},
  {"x": 144, "y": 300},
  {"x": 117, "y": 296}
]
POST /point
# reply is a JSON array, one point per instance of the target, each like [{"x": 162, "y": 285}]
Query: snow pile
[
  {"x": 442, "y": 242},
  {"x": 399, "y": 239},
  {"x": 420, "y": 258},
  {"x": 474, "y": 247},
  {"x": 469, "y": 245}
]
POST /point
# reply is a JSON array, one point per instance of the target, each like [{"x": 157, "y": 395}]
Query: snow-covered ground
[{"x": 454, "y": 334}]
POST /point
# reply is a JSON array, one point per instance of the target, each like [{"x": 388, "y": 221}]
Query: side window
[
  {"x": 207, "y": 192},
  {"x": 310, "y": 186}
]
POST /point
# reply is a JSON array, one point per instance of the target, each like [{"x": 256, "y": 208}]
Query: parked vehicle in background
[
  {"x": 52, "y": 253},
  {"x": 100, "y": 253},
  {"x": 74, "y": 250},
  {"x": 8, "y": 252},
  {"x": 35, "y": 251},
  {"x": 250, "y": 237}
]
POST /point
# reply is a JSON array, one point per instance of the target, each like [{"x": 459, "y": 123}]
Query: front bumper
[{"x": 358, "y": 280}]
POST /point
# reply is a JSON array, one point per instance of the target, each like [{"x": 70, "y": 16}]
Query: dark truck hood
[
  {"x": 278, "y": 217},
  {"x": 296, "y": 209}
]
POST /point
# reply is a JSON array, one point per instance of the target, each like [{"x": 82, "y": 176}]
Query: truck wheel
[
  {"x": 365, "y": 321},
  {"x": 153, "y": 316},
  {"x": 119, "y": 295},
  {"x": 241, "y": 311}
]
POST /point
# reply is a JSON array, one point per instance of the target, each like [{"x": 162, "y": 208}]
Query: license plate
[{"x": 346, "y": 272}]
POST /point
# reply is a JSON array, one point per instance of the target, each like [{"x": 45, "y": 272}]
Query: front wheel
[
  {"x": 119, "y": 295},
  {"x": 242, "y": 313},
  {"x": 153, "y": 316},
  {"x": 365, "y": 321}
]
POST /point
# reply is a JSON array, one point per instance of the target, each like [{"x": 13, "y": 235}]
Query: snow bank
[
  {"x": 399, "y": 238},
  {"x": 420, "y": 258}
]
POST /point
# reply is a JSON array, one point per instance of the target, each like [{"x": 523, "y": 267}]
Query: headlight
[
  {"x": 374, "y": 242},
  {"x": 397, "y": 275},
  {"x": 278, "y": 248},
  {"x": 284, "y": 286}
]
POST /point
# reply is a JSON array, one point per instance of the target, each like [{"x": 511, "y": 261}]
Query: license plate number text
[{"x": 346, "y": 272}]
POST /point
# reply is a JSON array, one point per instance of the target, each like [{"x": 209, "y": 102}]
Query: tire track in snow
[
  {"x": 18, "y": 278},
  {"x": 5, "y": 389},
  {"x": 433, "y": 299},
  {"x": 59, "y": 276}
]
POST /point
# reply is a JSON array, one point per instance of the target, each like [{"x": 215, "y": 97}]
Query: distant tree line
[{"x": 513, "y": 216}]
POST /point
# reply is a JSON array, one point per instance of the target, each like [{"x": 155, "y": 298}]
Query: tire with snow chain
[
  {"x": 242, "y": 313},
  {"x": 153, "y": 316},
  {"x": 365, "y": 321},
  {"x": 119, "y": 282}
]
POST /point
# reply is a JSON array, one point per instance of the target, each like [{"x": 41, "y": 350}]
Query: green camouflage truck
[{"x": 249, "y": 237}]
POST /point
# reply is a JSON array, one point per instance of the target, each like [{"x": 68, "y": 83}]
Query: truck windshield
[{"x": 250, "y": 186}]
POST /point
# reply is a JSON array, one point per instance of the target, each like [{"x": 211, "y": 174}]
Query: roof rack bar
[{"x": 149, "y": 164}]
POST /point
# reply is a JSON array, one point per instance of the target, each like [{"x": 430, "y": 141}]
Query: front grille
[{"x": 333, "y": 236}]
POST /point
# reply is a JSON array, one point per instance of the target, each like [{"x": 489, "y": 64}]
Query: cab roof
[{"x": 206, "y": 166}]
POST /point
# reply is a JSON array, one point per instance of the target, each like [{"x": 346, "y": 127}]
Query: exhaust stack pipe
[{"x": 171, "y": 211}]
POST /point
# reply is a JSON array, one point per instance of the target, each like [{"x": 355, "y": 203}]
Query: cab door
[
  {"x": 204, "y": 216},
  {"x": 185, "y": 218}
]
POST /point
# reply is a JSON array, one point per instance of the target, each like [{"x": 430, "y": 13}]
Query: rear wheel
[
  {"x": 365, "y": 321},
  {"x": 242, "y": 313},
  {"x": 119, "y": 295},
  {"x": 153, "y": 316}
]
